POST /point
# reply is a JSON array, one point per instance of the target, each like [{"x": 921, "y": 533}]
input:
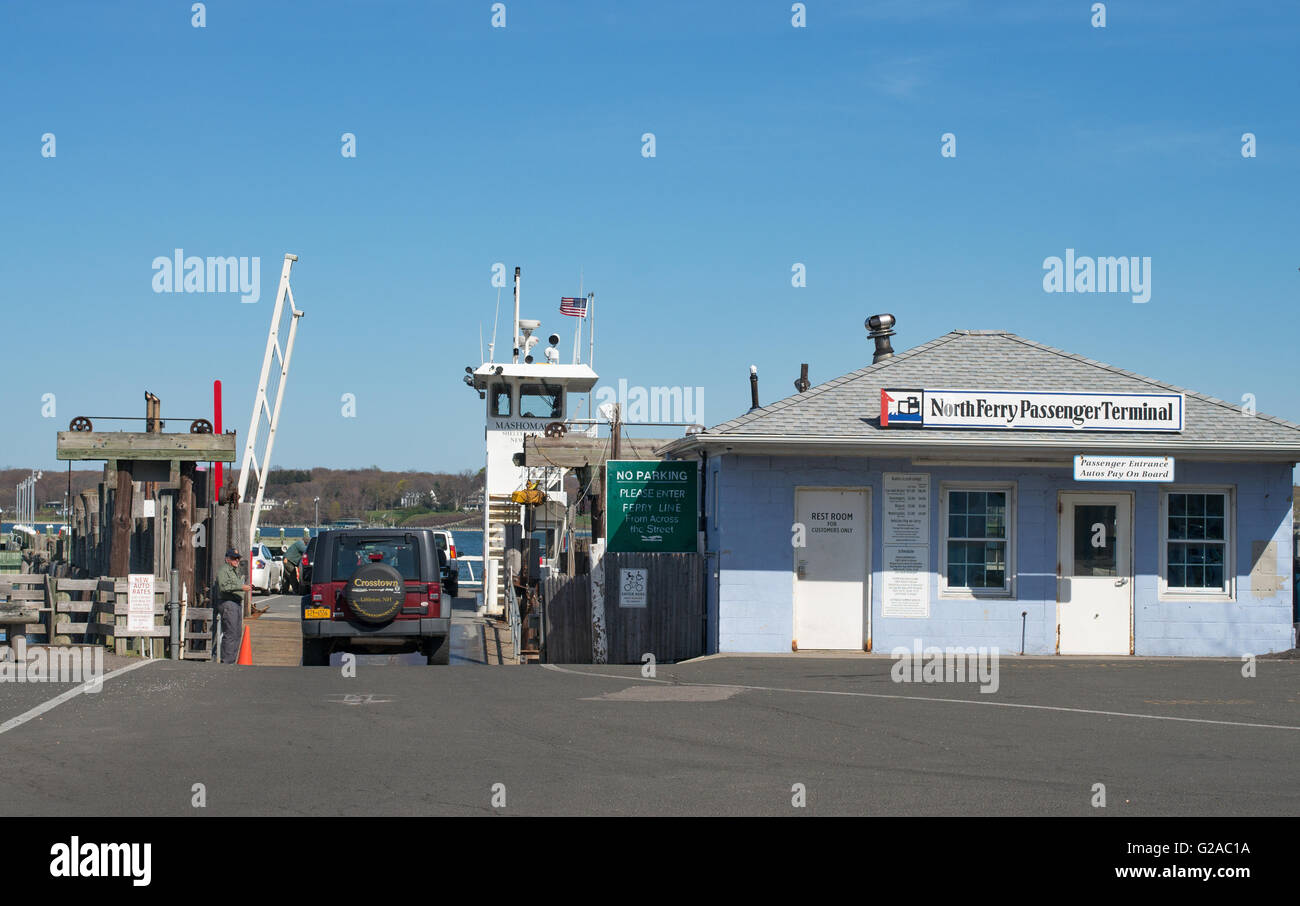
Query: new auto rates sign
[{"x": 651, "y": 506}]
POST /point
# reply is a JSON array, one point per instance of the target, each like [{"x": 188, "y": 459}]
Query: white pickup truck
[{"x": 447, "y": 544}]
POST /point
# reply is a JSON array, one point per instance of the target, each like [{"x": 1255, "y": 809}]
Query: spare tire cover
[{"x": 376, "y": 592}]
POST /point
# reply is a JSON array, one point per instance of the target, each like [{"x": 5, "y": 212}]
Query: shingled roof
[{"x": 844, "y": 413}]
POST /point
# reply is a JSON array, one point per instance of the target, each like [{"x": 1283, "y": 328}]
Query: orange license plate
[{"x": 316, "y": 613}]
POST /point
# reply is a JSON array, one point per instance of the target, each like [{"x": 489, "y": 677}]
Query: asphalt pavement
[
  {"x": 471, "y": 641},
  {"x": 717, "y": 736}
]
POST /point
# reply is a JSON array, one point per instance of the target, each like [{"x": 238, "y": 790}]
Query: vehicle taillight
[
  {"x": 435, "y": 590},
  {"x": 453, "y": 552}
]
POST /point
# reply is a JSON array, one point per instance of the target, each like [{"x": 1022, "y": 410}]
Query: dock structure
[
  {"x": 160, "y": 462},
  {"x": 152, "y": 512}
]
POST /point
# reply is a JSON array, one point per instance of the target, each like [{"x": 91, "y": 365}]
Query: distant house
[{"x": 418, "y": 498}]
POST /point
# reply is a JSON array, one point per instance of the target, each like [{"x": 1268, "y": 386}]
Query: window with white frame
[
  {"x": 977, "y": 539},
  {"x": 500, "y": 400},
  {"x": 1195, "y": 534}
]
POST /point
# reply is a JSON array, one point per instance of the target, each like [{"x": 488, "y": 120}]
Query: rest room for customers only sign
[{"x": 651, "y": 506}]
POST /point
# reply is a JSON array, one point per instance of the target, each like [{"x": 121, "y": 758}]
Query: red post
[{"x": 216, "y": 427}]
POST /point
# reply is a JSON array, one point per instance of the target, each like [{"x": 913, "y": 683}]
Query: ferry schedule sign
[
  {"x": 651, "y": 506},
  {"x": 1031, "y": 410}
]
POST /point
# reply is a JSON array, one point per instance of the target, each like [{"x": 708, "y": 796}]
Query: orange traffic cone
[{"x": 246, "y": 650}]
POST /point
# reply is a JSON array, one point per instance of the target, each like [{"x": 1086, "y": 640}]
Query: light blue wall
[{"x": 751, "y": 597}]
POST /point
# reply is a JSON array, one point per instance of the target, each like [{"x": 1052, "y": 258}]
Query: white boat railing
[{"x": 469, "y": 560}]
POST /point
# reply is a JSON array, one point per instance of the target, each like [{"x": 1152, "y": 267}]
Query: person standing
[
  {"x": 293, "y": 562},
  {"x": 230, "y": 604}
]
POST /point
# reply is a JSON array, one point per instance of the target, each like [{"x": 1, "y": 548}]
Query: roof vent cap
[{"x": 880, "y": 328}]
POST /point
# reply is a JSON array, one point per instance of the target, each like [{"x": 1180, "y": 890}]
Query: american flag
[{"x": 569, "y": 305}]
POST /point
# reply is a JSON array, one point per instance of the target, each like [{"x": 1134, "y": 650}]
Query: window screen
[
  {"x": 1196, "y": 540},
  {"x": 977, "y": 539}
]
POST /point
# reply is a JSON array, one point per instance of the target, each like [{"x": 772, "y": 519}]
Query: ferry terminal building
[{"x": 986, "y": 490}]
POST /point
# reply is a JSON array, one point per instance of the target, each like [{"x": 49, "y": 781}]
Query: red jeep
[{"x": 377, "y": 591}]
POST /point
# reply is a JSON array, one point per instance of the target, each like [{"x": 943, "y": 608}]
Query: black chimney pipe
[
  {"x": 753, "y": 387},
  {"x": 880, "y": 328},
  {"x": 802, "y": 384}
]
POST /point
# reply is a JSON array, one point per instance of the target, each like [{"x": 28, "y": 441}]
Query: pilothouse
[{"x": 526, "y": 396}]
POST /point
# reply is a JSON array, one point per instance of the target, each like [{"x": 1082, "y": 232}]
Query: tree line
[{"x": 343, "y": 493}]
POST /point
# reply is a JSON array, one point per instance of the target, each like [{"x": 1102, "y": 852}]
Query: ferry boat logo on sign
[{"x": 901, "y": 407}]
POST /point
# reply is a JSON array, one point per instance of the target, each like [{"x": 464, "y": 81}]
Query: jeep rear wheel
[
  {"x": 438, "y": 651},
  {"x": 315, "y": 653}
]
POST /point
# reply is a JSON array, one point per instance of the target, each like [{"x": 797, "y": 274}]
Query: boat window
[
  {"x": 500, "y": 400},
  {"x": 541, "y": 401}
]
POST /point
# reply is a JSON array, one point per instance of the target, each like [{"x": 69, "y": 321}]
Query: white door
[
  {"x": 1095, "y": 588},
  {"x": 831, "y": 570}
]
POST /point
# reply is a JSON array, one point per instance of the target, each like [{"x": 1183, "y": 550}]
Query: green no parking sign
[{"x": 651, "y": 506}]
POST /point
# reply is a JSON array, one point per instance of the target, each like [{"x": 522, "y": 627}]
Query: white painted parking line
[
  {"x": 67, "y": 696},
  {"x": 926, "y": 698}
]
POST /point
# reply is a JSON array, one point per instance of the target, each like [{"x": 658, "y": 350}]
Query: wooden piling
[
  {"x": 121, "y": 550},
  {"x": 182, "y": 540}
]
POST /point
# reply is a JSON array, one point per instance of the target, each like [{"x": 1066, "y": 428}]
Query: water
[
  {"x": 469, "y": 542},
  {"x": 42, "y": 526}
]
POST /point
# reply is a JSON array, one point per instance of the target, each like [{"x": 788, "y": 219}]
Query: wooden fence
[
  {"x": 109, "y": 614},
  {"x": 568, "y": 620},
  {"x": 22, "y": 603},
  {"x": 669, "y": 626},
  {"x": 48, "y": 609}
]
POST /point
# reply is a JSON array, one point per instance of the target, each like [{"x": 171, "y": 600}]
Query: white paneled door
[{"x": 832, "y": 570}]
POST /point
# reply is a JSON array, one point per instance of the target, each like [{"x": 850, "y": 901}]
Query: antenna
[
  {"x": 516, "y": 325},
  {"x": 591, "y": 313},
  {"x": 496, "y": 319}
]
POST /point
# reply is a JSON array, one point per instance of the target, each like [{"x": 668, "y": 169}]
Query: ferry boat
[{"x": 527, "y": 393}]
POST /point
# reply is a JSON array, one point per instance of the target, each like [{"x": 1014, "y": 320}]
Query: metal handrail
[{"x": 512, "y": 617}]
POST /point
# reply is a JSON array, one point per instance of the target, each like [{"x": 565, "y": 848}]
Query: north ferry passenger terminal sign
[{"x": 1032, "y": 410}]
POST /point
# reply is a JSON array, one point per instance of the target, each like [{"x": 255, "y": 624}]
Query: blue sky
[{"x": 522, "y": 145}]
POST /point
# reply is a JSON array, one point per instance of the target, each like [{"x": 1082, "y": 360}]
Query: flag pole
[
  {"x": 577, "y": 337},
  {"x": 591, "y": 352}
]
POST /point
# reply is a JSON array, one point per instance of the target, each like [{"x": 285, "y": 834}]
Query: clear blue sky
[{"x": 522, "y": 145}]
